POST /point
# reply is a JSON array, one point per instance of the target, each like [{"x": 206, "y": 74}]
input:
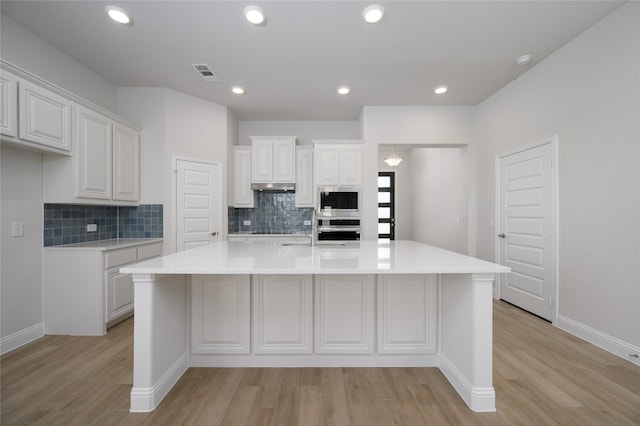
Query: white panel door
[
  {"x": 284, "y": 161},
  {"x": 198, "y": 203},
  {"x": 407, "y": 314},
  {"x": 304, "y": 177},
  {"x": 282, "y": 314},
  {"x": 351, "y": 166},
  {"x": 220, "y": 314},
  {"x": 525, "y": 235},
  {"x": 344, "y": 314},
  {"x": 119, "y": 293}
]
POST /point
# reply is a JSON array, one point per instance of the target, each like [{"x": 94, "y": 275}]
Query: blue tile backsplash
[
  {"x": 276, "y": 213},
  {"x": 67, "y": 223}
]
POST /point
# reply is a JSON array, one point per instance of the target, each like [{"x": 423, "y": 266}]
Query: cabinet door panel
[
  {"x": 407, "y": 314},
  {"x": 220, "y": 314},
  {"x": 351, "y": 166},
  {"x": 8, "y": 104},
  {"x": 344, "y": 314},
  {"x": 304, "y": 178},
  {"x": 119, "y": 297},
  {"x": 283, "y": 161},
  {"x": 327, "y": 165},
  {"x": 283, "y": 314},
  {"x": 93, "y": 167},
  {"x": 126, "y": 163},
  {"x": 243, "y": 196},
  {"x": 45, "y": 117},
  {"x": 262, "y": 164}
]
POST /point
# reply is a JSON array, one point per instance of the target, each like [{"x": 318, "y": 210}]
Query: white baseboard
[
  {"x": 144, "y": 400},
  {"x": 599, "y": 339},
  {"x": 313, "y": 360},
  {"x": 22, "y": 337},
  {"x": 478, "y": 399}
]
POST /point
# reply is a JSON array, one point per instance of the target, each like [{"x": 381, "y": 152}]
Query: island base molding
[{"x": 308, "y": 361}]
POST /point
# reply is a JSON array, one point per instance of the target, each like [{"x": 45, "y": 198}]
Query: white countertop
[
  {"x": 104, "y": 245},
  {"x": 273, "y": 257}
]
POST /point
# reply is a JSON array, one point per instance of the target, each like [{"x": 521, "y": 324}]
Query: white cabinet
[
  {"x": 338, "y": 163},
  {"x": 304, "y": 177},
  {"x": 8, "y": 104},
  {"x": 84, "y": 292},
  {"x": 407, "y": 314},
  {"x": 273, "y": 159},
  {"x": 220, "y": 314},
  {"x": 344, "y": 314},
  {"x": 44, "y": 117},
  {"x": 33, "y": 116},
  {"x": 243, "y": 196},
  {"x": 105, "y": 166},
  {"x": 282, "y": 314}
]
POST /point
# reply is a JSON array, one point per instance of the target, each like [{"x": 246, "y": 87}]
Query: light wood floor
[{"x": 542, "y": 376}]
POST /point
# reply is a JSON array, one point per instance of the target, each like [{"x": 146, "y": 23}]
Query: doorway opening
[{"x": 386, "y": 206}]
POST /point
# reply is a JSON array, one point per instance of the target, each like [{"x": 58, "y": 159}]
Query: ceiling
[{"x": 292, "y": 66}]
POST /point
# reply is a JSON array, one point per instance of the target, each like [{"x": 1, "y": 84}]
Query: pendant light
[{"x": 393, "y": 160}]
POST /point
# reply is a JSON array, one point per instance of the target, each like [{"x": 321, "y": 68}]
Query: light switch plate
[
  {"x": 17, "y": 229},
  {"x": 92, "y": 227},
  {"x": 307, "y": 223},
  {"x": 246, "y": 222}
]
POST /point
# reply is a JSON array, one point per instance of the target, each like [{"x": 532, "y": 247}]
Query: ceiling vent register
[{"x": 206, "y": 72}]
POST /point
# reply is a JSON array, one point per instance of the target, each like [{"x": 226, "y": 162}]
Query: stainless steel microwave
[{"x": 339, "y": 201}]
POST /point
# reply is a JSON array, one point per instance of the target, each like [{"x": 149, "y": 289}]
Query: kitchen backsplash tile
[
  {"x": 67, "y": 223},
  {"x": 276, "y": 213}
]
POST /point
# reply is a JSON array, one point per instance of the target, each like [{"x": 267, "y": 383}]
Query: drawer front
[
  {"x": 119, "y": 257},
  {"x": 149, "y": 250}
]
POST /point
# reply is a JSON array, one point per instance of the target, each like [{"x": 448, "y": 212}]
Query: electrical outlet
[
  {"x": 307, "y": 223},
  {"x": 17, "y": 229},
  {"x": 92, "y": 227},
  {"x": 246, "y": 222}
]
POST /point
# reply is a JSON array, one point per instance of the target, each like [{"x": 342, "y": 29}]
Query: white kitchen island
[{"x": 269, "y": 303}]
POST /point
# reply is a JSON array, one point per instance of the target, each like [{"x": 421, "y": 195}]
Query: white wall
[
  {"x": 588, "y": 93},
  {"x": 175, "y": 125},
  {"x": 407, "y": 126},
  {"x": 306, "y": 131},
  {"x": 439, "y": 207},
  {"x": 21, "y": 263},
  {"x": 23, "y": 48}
]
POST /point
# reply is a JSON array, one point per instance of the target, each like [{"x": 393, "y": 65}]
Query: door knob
[
  {"x": 214, "y": 233},
  {"x": 502, "y": 235}
]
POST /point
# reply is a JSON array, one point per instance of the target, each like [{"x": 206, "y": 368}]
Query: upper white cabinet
[
  {"x": 304, "y": 176},
  {"x": 338, "y": 163},
  {"x": 8, "y": 104},
  {"x": 243, "y": 196},
  {"x": 273, "y": 159},
  {"x": 33, "y": 116},
  {"x": 45, "y": 117},
  {"x": 104, "y": 168}
]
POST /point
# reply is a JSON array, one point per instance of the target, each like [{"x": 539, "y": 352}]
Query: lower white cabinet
[
  {"x": 407, "y": 314},
  {"x": 344, "y": 311},
  {"x": 220, "y": 314},
  {"x": 84, "y": 292},
  {"x": 282, "y": 314}
]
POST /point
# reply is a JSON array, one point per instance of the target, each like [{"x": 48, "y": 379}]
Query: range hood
[{"x": 279, "y": 187}]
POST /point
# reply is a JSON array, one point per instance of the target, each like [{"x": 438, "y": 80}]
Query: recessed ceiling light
[
  {"x": 237, "y": 90},
  {"x": 119, "y": 15},
  {"x": 373, "y": 13},
  {"x": 440, "y": 90},
  {"x": 255, "y": 15},
  {"x": 523, "y": 60},
  {"x": 343, "y": 90}
]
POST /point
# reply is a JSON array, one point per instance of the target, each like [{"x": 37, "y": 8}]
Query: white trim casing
[{"x": 20, "y": 338}]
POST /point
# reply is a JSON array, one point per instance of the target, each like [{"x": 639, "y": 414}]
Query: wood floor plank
[{"x": 542, "y": 376}]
